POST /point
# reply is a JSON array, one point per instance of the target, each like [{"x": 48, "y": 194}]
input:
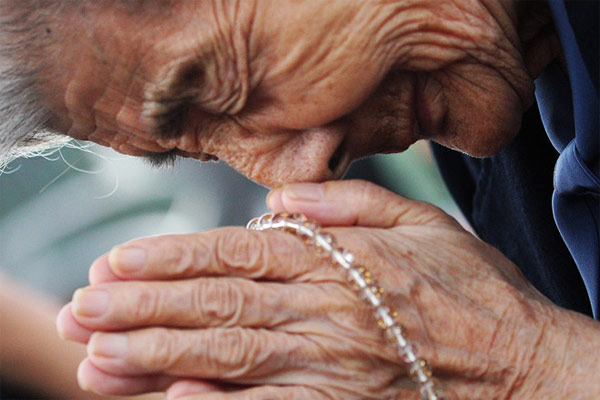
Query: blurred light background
[{"x": 58, "y": 214}]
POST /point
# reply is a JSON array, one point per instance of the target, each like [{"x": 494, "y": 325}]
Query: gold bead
[
  {"x": 389, "y": 334},
  {"x": 420, "y": 371}
]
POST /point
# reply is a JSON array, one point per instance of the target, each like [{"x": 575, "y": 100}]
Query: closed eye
[
  {"x": 168, "y": 103},
  {"x": 169, "y": 123}
]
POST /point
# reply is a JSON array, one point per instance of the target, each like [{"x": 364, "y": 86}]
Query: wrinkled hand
[{"x": 236, "y": 314}]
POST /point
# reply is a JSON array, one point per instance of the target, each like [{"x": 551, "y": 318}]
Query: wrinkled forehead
[{"x": 136, "y": 68}]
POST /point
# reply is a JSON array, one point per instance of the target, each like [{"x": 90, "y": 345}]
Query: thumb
[
  {"x": 187, "y": 388},
  {"x": 347, "y": 203}
]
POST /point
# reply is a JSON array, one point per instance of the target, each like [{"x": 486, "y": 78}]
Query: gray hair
[{"x": 25, "y": 124}]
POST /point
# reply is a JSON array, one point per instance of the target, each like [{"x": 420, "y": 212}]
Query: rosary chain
[{"x": 418, "y": 368}]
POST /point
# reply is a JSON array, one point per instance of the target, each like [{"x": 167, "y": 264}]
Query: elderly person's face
[{"x": 286, "y": 90}]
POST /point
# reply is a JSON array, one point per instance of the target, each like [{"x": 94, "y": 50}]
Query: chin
[
  {"x": 487, "y": 137},
  {"x": 485, "y": 147},
  {"x": 481, "y": 147}
]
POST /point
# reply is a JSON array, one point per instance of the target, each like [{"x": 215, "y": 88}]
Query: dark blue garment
[
  {"x": 570, "y": 111},
  {"x": 507, "y": 197}
]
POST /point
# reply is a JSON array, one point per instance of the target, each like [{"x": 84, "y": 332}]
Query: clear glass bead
[
  {"x": 343, "y": 258},
  {"x": 306, "y": 231},
  {"x": 300, "y": 219},
  {"x": 278, "y": 220},
  {"x": 291, "y": 224},
  {"x": 392, "y": 331},
  {"x": 420, "y": 371},
  {"x": 297, "y": 217},
  {"x": 325, "y": 242},
  {"x": 265, "y": 220},
  {"x": 354, "y": 275},
  {"x": 349, "y": 257},
  {"x": 383, "y": 315},
  {"x": 253, "y": 224},
  {"x": 408, "y": 353},
  {"x": 428, "y": 391},
  {"x": 400, "y": 339},
  {"x": 369, "y": 294},
  {"x": 338, "y": 256}
]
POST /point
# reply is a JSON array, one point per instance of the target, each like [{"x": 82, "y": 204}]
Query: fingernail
[
  {"x": 304, "y": 191},
  {"x": 90, "y": 302},
  {"x": 274, "y": 200},
  {"x": 109, "y": 345},
  {"x": 82, "y": 378},
  {"x": 127, "y": 259}
]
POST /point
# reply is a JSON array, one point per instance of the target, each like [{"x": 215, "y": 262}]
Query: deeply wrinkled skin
[
  {"x": 261, "y": 311},
  {"x": 274, "y": 88},
  {"x": 290, "y": 91}
]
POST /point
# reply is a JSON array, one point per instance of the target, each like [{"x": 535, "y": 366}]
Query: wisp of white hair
[{"x": 24, "y": 122}]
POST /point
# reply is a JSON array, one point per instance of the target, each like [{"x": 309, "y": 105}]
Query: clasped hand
[{"x": 236, "y": 314}]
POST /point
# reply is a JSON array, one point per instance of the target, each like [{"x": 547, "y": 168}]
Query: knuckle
[
  {"x": 239, "y": 346},
  {"x": 418, "y": 212},
  {"x": 260, "y": 254},
  {"x": 158, "y": 348},
  {"x": 184, "y": 253},
  {"x": 367, "y": 190},
  {"x": 433, "y": 211},
  {"x": 235, "y": 351},
  {"x": 144, "y": 304},
  {"x": 241, "y": 250},
  {"x": 272, "y": 301},
  {"x": 218, "y": 301},
  {"x": 171, "y": 255},
  {"x": 362, "y": 185}
]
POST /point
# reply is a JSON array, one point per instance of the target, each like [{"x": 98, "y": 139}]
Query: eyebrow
[{"x": 166, "y": 159}]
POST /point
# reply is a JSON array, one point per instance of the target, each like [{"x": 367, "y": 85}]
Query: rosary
[{"x": 418, "y": 368}]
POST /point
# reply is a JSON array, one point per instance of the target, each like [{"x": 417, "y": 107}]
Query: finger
[
  {"x": 184, "y": 388},
  {"x": 100, "y": 272},
  {"x": 195, "y": 303},
  {"x": 259, "y": 393},
  {"x": 348, "y": 203},
  {"x": 69, "y": 329},
  {"x": 225, "y": 354},
  {"x": 227, "y": 251},
  {"x": 92, "y": 379}
]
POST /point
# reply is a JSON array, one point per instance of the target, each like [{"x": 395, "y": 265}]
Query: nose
[{"x": 312, "y": 155}]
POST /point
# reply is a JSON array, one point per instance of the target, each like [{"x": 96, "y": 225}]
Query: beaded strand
[{"x": 418, "y": 368}]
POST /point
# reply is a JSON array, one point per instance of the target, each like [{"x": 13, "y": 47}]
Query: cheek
[
  {"x": 386, "y": 121},
  {"x": 484, "y": 112}
]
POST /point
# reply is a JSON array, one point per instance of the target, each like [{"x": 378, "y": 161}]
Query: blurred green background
[{"x": 58, "y": 214}]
